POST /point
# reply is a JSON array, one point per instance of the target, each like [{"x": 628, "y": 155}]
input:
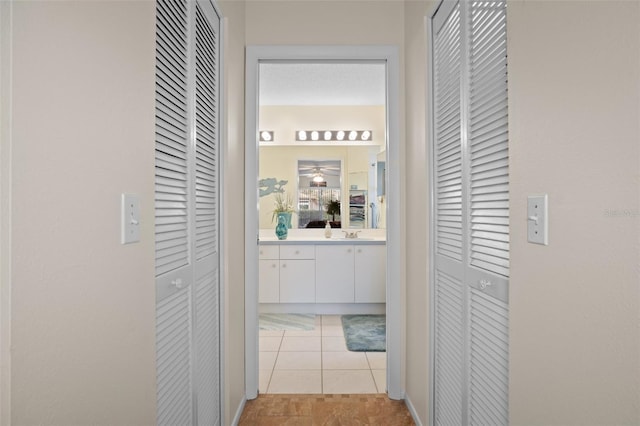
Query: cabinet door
[
  {"x": 370, "y": 274},
  {"x": 269, "y": 287},
  {"x": 334, "y": 274},
  {"x": 297, "y": 281}
]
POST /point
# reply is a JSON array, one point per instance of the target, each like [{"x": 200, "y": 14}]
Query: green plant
[
  {"x": 282, "y": 204},
  {"x": 333, "y": 209}
]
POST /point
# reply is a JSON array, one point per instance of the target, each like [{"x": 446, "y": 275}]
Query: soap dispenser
[{"x": 327, "y": 230}]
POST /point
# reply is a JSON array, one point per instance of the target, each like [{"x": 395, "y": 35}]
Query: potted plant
[
  {"x": 333, "y": 209},
  {"x": 283, "y": 206}
]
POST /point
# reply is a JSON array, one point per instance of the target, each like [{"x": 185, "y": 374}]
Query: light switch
[
  {"x": 130, "y": 219},
  {"x": 537, "y": 219}
]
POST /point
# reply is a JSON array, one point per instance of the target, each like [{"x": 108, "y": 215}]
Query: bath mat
[
  {"x": 287, "y": 321},
  {"x": 365, "y": 333}
]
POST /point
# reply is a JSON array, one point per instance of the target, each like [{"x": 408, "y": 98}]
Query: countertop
[{"x": 316, "y": 237}]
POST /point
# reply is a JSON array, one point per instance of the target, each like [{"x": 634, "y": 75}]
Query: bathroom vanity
[{"x": 315, "y": 274}]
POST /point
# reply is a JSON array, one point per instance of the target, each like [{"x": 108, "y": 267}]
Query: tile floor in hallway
[{"x": 317, "y": 361}]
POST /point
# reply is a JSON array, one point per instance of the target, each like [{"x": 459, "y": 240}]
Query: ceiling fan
[{"x": 317, "y": 170}]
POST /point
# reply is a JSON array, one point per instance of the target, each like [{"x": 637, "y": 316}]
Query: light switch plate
[
  {"x": 537, "y": 219},
  {"x": 130, "y": 219}
]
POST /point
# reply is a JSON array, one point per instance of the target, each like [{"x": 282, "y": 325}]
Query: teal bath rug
[
  {"x": 365, "y": 333},
  {"x": 287, "y": 321}
]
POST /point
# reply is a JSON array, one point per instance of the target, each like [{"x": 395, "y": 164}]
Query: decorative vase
[
  {"x": 281, "y": 228},
  {"x": 287, "y": 219},
  {"x": 327, "y": 230}
]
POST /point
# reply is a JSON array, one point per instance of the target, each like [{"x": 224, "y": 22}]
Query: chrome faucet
[{"x": 351, "y": 234}]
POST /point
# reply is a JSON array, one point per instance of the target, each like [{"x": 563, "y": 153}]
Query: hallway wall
[
  {"x": 83, "y": 305},
  {"x": 417, "y": 215},
  {"x": 574, "y": 91},
  {"x": 233, "y": 203},
  {"x": 336, "y": 23}
]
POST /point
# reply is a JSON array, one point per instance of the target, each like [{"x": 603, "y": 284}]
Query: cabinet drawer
[
  {"x": 268, "y": 252},
  {"x": 297, "y": 252}
]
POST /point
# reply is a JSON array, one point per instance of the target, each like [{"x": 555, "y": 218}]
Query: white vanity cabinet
[
  {"x": 331, "y": 274},
  {"x": 269, "y": 273},
  {"x": 334, "y": 274},
  {"x": 370, "y": 273},
  {"x": 297, "y": 274}
]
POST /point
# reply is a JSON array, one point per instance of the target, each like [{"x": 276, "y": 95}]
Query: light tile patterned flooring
[{"x": 317, "y": 361}]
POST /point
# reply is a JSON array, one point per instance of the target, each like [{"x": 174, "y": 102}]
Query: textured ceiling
[{"x": 322, "y": 84}]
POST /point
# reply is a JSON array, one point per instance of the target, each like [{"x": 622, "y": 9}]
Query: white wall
[
  {"x": 339, "y": 23},
  {"x": 83, "y": 305},
  {"x": 574, "y": 90},
  {"x": 233, "y": 226},
  {"x": 417, "y": 213}
]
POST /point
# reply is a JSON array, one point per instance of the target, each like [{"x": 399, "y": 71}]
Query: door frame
[{"x": 394, "y": 302}]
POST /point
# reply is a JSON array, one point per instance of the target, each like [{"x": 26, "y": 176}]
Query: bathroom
[{"x": 322, "y": 141}]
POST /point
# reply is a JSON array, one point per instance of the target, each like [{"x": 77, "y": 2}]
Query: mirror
[{"x": 323, "y": 120}]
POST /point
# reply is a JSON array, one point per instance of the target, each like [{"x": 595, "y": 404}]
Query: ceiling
[{"x": 322, "y": 84}]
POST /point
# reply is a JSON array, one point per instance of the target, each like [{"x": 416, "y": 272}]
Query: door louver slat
[
  {"x": 171, "y": 132},
  {"x": 173, "y": 357},
  {"x": 206, "y": 140},
  {"x": 489, "y": 137},
  {"x": 448, "y": 362},
  {"x": 448, "y": 153},
  {"x": 489, "y": 380}
]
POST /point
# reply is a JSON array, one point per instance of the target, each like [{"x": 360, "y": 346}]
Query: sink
[{"x": 353, "y": 239}]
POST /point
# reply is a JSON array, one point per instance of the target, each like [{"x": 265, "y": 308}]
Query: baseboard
[
  {"x": 412, "y": 410},
  {"x": 236, "y": 418}
]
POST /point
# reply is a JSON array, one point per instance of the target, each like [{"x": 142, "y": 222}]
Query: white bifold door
[
  {"x": 471, "y": 214},
  {"x": 186, "y": 212}
]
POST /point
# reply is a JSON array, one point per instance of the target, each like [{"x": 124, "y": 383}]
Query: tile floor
[{"x": 317, "y": 361}]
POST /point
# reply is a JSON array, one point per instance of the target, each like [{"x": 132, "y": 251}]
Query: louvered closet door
[
  {"x": 187, "y": 203},
  {"x": 471, "y": 191},
  {"x": 174, "y": 270},
  {"x": 207, "y": 295},
  {"x": 449, "y": 292}
]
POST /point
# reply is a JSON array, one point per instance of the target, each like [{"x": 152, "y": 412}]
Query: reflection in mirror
[
  {"x": 319, "y": 184},
  {"x": 325, "y": 97}
]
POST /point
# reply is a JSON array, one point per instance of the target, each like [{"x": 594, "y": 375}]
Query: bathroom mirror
[{"x": 313, "y": 113}]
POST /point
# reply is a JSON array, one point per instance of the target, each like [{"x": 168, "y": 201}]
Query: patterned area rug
[
  {"x": 287, "y": 321},
  {"x": 365, "y": 333}
]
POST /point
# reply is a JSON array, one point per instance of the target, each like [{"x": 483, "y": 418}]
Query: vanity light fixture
[
  {"x": 266, "y": 135},
  {"x": 334, "y": 135}
]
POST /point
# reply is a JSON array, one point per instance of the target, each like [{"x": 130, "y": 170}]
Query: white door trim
[{"x": 395, "y": 321}]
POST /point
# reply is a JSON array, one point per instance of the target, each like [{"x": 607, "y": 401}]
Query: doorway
[{"x": 324, "y": 54}]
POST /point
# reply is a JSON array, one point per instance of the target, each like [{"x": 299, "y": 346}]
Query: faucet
[{"x": 351, "y": 234}]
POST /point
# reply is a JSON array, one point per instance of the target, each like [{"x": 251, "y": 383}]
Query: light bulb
[
  {"x": 353, "y": 135},
  {"x": 314, "y": 135},
  {"x": 365, "y": 135},
  {"x": 340, "y": 135},
  {"x": 327, "y": 135},
  {"x": 302, "y": 135},
  {"x": 266, "y": 136}
]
